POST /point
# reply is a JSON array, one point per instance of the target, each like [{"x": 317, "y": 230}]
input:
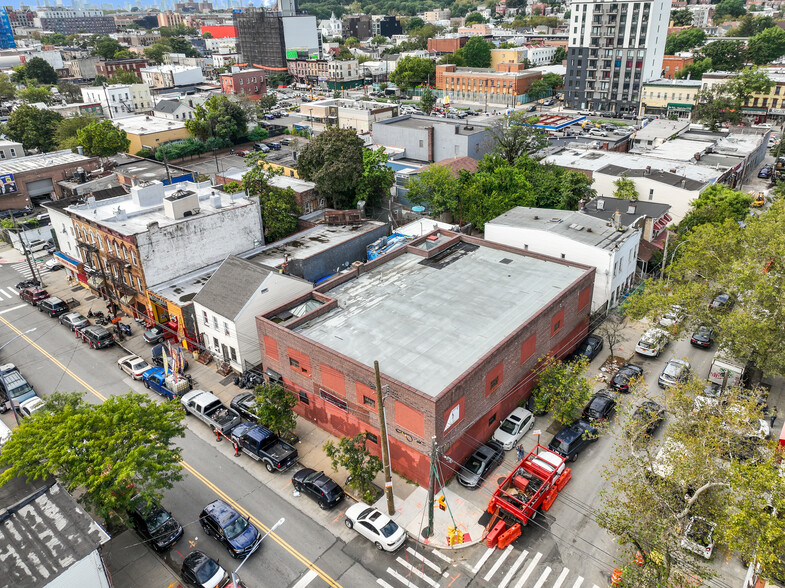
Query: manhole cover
[{"x": 90, "y": 298}]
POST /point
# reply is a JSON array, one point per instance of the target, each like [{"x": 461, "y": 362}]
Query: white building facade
[
  {"x": 611, "y": 249},
  {"x": 614, "y": 46},
  {"x": 120, "y": 100}
]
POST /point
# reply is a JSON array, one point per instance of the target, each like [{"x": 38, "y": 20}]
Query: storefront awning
[
  {"x": 96, "y": 282},
  {"x": 674, "y": 106},
  {"x": 69, "y": 262},
  {"x": 752, "y": 110},
  {"x": 127, "y": 300}
]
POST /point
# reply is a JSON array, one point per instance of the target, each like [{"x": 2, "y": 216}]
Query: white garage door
[{"x": 40, "y": 187}]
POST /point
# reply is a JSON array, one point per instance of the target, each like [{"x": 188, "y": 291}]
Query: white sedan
[
  {"x": 513, "y": 428},
  {"x": 133, "y": 365},
  {"x": 378, "y": 528}
]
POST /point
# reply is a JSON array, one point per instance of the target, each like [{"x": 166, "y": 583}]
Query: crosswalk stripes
[{"x": 513, "y": 569}]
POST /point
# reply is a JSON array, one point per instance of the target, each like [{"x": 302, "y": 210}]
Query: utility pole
[
  {"x": 428, "y": 531},
  {"x": 27, "y": 251},
  {"x": 664, "y": 254},
  {"x": 385, "y": 443}
]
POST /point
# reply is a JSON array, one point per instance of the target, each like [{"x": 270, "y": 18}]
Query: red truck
[{"x": 534, "y": 483}]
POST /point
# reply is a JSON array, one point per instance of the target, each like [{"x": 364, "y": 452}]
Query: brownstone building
[
  {"x": 457, "y": 325},
  {"x": 450, "y": 45},
  {"x": 250, "y": 82},
  {"x": 673, "y": 64},
  {"x": 504, "y": 84},
  {"x": 112, "y": 66}
]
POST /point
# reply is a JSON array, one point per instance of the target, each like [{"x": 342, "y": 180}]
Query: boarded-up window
[
  {"x": 333, "y": 379},
  {"x": 410, "y": 419},
  {"x": 584, "y": 297},
  {"x": 493, "y": 379},
  {"x": 557, "y": 322},
  {"x": 271, "y": 348},
  {"x": 528, "y": 348},
  {"x": 299, "y": 362}
]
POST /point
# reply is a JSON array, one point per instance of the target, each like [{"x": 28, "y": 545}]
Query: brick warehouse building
[{"x": 456, "y": 324}]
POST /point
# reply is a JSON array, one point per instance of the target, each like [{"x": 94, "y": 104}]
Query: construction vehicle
[{"x": 533, "y": 484}]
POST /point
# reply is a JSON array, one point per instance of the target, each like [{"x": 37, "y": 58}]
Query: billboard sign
[{"x": 7, "y": 184}]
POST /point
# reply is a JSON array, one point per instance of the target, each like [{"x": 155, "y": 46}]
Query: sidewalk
[{"x": 133, "y": 564}]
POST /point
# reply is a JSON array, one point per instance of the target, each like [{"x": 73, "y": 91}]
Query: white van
[{"x": 5, "y": 434}]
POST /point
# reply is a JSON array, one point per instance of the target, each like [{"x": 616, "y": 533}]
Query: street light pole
[
  {"x": 235, "y": 577},
  {"x": 11, "y": 400}
]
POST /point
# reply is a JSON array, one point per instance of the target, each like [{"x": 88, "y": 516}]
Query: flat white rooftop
[{"x": 427, "y": 321}]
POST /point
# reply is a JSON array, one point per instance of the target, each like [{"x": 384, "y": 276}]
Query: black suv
[
  {"x": 572, "y": 439},
  {"x": 53, "y": 306},
  {"x": 155, "y": 525},
  {"x": 95, "y": 335}
]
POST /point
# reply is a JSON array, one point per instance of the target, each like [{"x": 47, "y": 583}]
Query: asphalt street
[{"x": 561, "y": 548}]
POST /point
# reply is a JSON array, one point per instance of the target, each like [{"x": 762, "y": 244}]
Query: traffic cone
[
  {"x": 217, "y": 434},
  {"x": 639, "y": 558},
  {"x": 616, "y": 577}
]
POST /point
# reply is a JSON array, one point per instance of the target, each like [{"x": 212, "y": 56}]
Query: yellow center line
[{"x": 274, "y": 536}]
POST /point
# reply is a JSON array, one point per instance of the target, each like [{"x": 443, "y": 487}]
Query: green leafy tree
[
  {"x": 722, "y": 103},
  {"x": 476, "y": 52},
  {"x": 38, "y": 71},
  {"x": 744, "y": 262},
  {"x": 66, "y": 133},
  {"x": 344, "y": 54},
  {"x": 177, "y": 31},
  {"x": 436, "y": 188},
  {"x": 353, "y": 455},
  {"x": 124, "y": 76},
  {"x": 103, "y": 139},
  {"x": 682, "y": 17},
  {"x": 377, "y": 178},
  {"x": 274, "y": 405},
  {"x": 538, "y": 89},
  {"x": 725, "y": 55},
  {"x": 123, "y": 54},
  {"x": 352, "y": 42},
  {"x": 728, "y": 10},
  {"x": 414, "y": 24},
  {"x": 453, "y": 58},
  {"x": 751, "y": 26},
  {"x": 53, "y": 39},
  {"x": 413, "y": 71},
  {"x": 684, "y": 40},
  {"x": 33, "y": 128},
  {"x": 182, "y": 45},
  {"x": 100, "y": 80},
  {"x": 7, "y": 88},
  {"x": 495, "y": 188},
  {"x": 553, "y": 80},
  {"x": 427, "y": 100},
  {"x": 561, "y": 388},
  {"x": 207, "y": 35},
  {"x": 106, "y": 47},
  {"x": 766, "y": 46},
  {"x": 107, "y": 453},
  {"x": 218, "y": 118},
  {"x": 695, "y": 70},
  {"x": 474, "y": 17},
  {"x": 379, "y": 40},
  {"x": 279, "y": 208},
  {"x": 265, "y": 104},
  {"x": 625, "y": 189},
  {"x": 334, "y": 162},
  {"x": 71, "y": 92},
  {"x": 514, "y": 135},
  {"x": 716, "y": 204},
  {"x": 258, "y": 134},
  {"x": 156, "y": 52},
  {"x": 33, "y": 94}
]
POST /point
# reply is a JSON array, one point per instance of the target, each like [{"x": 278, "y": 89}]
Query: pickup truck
[
  {"x": 165, "y": 383},
  {"x": 207, "y": 407},
  {"x": 263, "y": 445}
]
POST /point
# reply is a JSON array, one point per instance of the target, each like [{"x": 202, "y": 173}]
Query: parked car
[
  {"x": 237, "y": 533},
  {"x": 512, "y": 429},
  {"x": 698, "y": 537},
  {"x": 673, "y": 317},
  {"x": 758, "y": 200},
  {"x": 95, "y": 335},
  {"x": 73, "y": 320},
  {"x": 36, "y": 245},
  {"x": 133, "y": 365},
  {"x": 157, "y": 334},
  {"x": 652, "y": 342},
  {"x": 482, "y": 462},
  {"x": 242, "y": 152},
  {"x": 675, "y": 371},
  {"x": 53, "y": 306},
  {"x": 628, "y": 115},
  {"x": 765, "y": 172},
  {"x": 27, "y": 407},
  {"x": 573, "y": 438},
  {"x": 285, "y": 141},
  {"x": 202, "y": 571},
  {"x": 589, "y": 347},
  {"x": 549, "y": 102},
  {"x": 531, "y": 108},
  {"x": 703, "y": 337},
  {"x": 647, "y": 417},
  {"x": 621, "y": 379},
  {"x": 721, "y": 302},
  {"x": 53, "y": 264},
  {"x": 595, "y": 132},
  {"x": 33, "y": 295},
  {"x": 155, "y": 525},
  {"x": 378, "y": 528},
  {"x": 586, "y": 112},
  {"x": 600, "y": 408},
  {"x": 14, "y": 389},
  {"x": 318, "y": 486},
  {"x": 274, "y": 146},
  {"x": 244, "y": 403},
  {"x": 261, "y": 147}
]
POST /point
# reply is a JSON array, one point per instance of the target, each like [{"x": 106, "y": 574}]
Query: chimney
[
  {"x": 134, "y": 181},
  {"x": 80, "y": 150},
  {"x": 683, "y": 182},
  {"x": 617, "y": 220},
  {"x": 648, "y": 170}
]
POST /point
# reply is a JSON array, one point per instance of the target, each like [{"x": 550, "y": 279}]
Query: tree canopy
[
  {"x": 427, "y": 100},
  {"x": 682, "y": 17},
  {"x": 110, "y": 452},
  {"x": 474, "y": 17},
  {"x": 124, "y": 76},
  {"x": 514, "y": 135},
  {"x": 274, "y": 406},
  {"x": 35, "y": 71},
  {"x": 412, "y": 71},
  {"x": 103, "y": 139},
  {"x": 722, "y": 103},
  {"x": 684, "y": 40},
  {"x": 716, "y": 204},
  {"x": 107, "y": 47},
  {"x": 725, "y": 55},
  {"x": 279, "y": 208},
  {"x": 766, "y": 46},
  {"x": 66, "y": 133},
  {"x": 729, "y": 9},
  {"x": 33, "y": 94},
  {"x": 218, "y": 118},
  {"x": 33, "y": 128},
  {"x": 476, "y": 52},
  {"x": 334, "y": 162},
  {"x": 376, "y": 180}
]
